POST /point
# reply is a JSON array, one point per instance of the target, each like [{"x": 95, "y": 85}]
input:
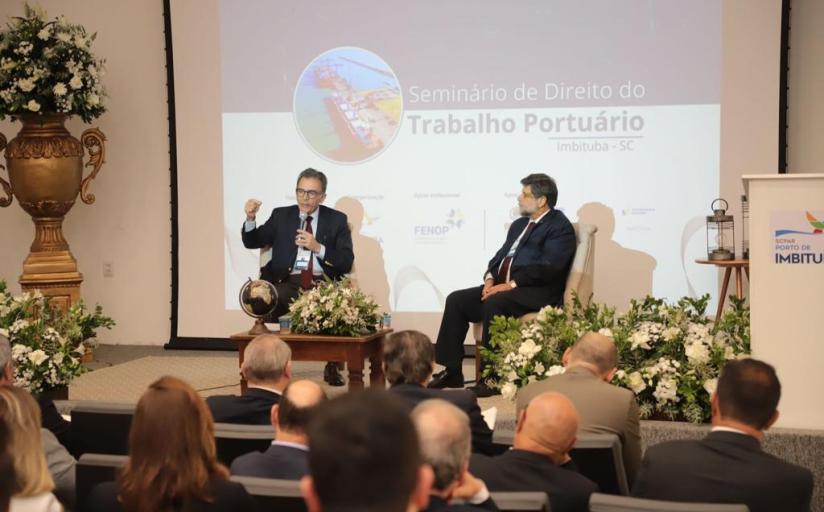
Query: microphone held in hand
[{"x": 303, "y": 216}]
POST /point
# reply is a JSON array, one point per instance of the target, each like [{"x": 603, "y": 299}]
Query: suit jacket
[
  {"x": 278, "y": 461},
  {"x": 464, "y": 399},
  {"x": 724, "y": 467},
  {"x": 521, "y": 470},
  {"x": 61, "y": 468},
  {"x": 279, "y": 232},
  {"x": 227, "y": 497},
  {"x": 602, "y": 409},
  {"x": 253, "y": 407},
  {"x": 54, "y": 422},
  {"x": 438, "y": 504},
  {"x": 542, "y": 261}
]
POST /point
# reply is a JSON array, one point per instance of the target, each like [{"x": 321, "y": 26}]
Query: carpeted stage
[{"x": 121, "y": 373}]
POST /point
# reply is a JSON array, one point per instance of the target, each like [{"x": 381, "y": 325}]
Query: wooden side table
[
  {"x": 308, "y": 347},
  {"x": 728, "y": 266}
]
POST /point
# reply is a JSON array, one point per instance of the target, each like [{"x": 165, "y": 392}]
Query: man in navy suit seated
[
  {"x": 729, "y": 464},
  {"x": 267, "y": 368},
  {"x": 527, "y": 273},
  {"x": 287, "y": 458},
  {"x": 308, "y": 241}
]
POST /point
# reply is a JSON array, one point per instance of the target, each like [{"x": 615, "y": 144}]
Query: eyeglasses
[{"x": 311, "y": 194}]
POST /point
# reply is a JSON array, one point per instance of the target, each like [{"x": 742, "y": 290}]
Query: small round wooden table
[{"x": 728, "y": 265}]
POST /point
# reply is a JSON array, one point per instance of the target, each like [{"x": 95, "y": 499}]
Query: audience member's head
[
  {"x": 364, "y": 455},
  {"x": 266, "y": 362},
  {"x": 408, "y": 358},
  {"x": 747, "y": 395},
  {"x": 21, "y": 414},
  {"x": 6, "y": 362},
  {"x": 547, "y": 426},
  {"x": 297, "y": 405},
  {"x": 172, "y": 452},
  {"x": 595, "y": 352},
  {"x": 445, "y": 437}
]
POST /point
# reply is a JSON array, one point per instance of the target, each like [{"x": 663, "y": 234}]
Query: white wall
[{"x": 129, "y": 224}]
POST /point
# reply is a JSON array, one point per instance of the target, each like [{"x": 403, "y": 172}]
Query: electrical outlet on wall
[{"x": 108, "y": 269}]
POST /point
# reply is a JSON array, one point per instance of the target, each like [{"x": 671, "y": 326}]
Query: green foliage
[
  {"x": 46, "y": 67},
  {"x": 47, "y": 343},
  {"x": 670, "y": 355}
]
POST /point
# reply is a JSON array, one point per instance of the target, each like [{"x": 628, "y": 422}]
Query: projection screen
[{"x": 426, "y": 115}]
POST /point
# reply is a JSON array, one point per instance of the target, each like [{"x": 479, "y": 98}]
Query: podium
[{"x": 787, "y": 289}]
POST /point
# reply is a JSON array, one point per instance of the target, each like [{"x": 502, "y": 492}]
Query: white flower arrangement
[
  {"x": 46, "y": 67},
  {"x": 670, "y": 356},
  {"x": 334, "y": 308},
  {"x": 47, "y": 344}
]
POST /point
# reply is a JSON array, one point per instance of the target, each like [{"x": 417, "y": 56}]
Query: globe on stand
[{"x": 258, "y": 299}]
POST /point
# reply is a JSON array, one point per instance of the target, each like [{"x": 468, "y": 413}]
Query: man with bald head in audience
[
  {"x": 287, "y": 458},
  {"x": 539, "y": 459},
  {"x": 729, "y": 464},
  {"x": 443, "y": 431},
  {"x": 602, "y": 407},
  {"x": 267, "y": 368}
]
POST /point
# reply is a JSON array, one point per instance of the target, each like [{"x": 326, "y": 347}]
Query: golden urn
[{"x": 45, "y": 168}]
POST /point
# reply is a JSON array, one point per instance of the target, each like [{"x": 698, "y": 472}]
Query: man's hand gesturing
[{"x": 251, "y": 208}]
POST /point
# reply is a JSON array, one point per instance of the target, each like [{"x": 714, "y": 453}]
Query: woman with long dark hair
[{"x": 172, "y": 459}]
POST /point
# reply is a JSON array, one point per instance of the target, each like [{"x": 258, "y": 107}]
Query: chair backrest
[
  {"x": 93, "y": 469},
  {"x": 581, "y": 279},
  {"x": 599, "y": 458},
  {"x": 233, "y": 440},
  {"x": 521, "y": 501},
  {"x": 270, "y": 494},
  {"x": 608, "y": 503},
  {"x": 102, "y": 427}
]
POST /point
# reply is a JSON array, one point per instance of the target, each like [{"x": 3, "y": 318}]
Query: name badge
[{"x": 302, "y": 261}]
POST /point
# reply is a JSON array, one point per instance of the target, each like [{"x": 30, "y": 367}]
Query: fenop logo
[
  {"x": 797, "y": 242},
  {"x": 452, "y": 223}
]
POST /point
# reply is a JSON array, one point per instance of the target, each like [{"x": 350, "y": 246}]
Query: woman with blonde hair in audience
[
  {"x": 172, "y": 459},
  {"x": 32, "y": 485}
]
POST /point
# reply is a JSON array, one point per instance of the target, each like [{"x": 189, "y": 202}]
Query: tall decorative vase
[{"x": 45, "y": 166}]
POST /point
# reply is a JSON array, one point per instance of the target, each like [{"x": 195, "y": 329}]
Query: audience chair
[
  {"x": 609, "y": 503},
  {"x": 93, "y": 469},
  {"x": 599, "y": 457},
  {"x": 580, "y": 281},
  {"x": 234, "y": 440},
  {"x": 101, "y": 427},
  {"x": 271, "y": 494},
  {"x": 521, "y": 501}
]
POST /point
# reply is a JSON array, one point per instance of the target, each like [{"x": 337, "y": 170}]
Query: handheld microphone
[{"x": 303, "y": 216}]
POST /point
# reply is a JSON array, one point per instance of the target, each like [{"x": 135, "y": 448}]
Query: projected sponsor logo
[
  {"x": 453, "y": 222},
  {"x": 798, "y": 237},
  {"x": 348, "y": 105}
]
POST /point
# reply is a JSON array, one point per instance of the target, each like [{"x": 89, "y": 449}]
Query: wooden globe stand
[{"x": 259, "y": 328}]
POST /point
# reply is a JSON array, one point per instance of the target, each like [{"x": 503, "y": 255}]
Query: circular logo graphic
[{"x": 348, "y": 105}]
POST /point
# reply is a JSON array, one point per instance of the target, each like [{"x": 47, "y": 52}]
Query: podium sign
[{"x": 787, "y": 289}]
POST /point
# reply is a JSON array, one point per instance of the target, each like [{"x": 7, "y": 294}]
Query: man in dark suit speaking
[
  {"x": 308, "y": 241},
  {"x": 526, "y": 274},
  {"x": 729, "y": 465}
]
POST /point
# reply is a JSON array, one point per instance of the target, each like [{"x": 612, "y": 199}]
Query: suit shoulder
[
  {"x": 325, "y": 210},
  {"x": 669, "y": 448},
  {"x": 463, "y": 398}
]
